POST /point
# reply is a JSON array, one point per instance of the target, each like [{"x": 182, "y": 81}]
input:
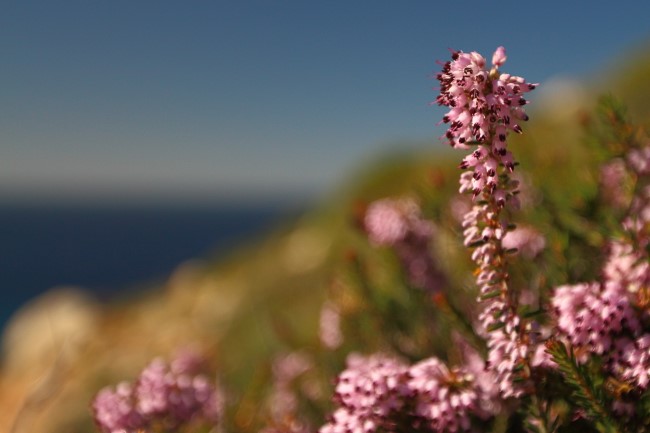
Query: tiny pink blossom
[
  {"x": 499, "y": 57},
  {"x": 635, "y": 362}
]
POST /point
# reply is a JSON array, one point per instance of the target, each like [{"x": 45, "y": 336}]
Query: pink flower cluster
[
  {"x": 605, "y": 318},
  {"x": 600, "y": 318},
  {"x": 626, "y": 267},
  {"x": 167, "y": 395},
  {"x": 398, "y": 223},
  {"x": 508, "y": 349},
  {"x": 592, "y": 316},
  {"x": 370, "y": 392},
  {"x": 485, "y": 105},
  {"x": 379, "y": 393},
  {"x": 444, "y": 399},
  {"x": 114, "y": 410}
]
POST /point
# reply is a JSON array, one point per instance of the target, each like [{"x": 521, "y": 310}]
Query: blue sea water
[{"x": 112, "y": 249}]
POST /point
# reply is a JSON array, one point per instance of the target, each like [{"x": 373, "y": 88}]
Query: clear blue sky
[{"x": 250, "y": 99}]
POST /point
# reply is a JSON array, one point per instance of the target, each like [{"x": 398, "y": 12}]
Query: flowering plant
[
  {"x": 582, "y": 359},
  {"x": 527, "y": 327}
]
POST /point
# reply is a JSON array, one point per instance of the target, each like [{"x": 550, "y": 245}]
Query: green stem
[{"x": 584, "y": 391}]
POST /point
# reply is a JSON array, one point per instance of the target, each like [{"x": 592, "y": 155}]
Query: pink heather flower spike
[{"x": 484, "y": 107}]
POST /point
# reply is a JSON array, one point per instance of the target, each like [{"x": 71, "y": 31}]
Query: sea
[{"x": 109, "y": 250}]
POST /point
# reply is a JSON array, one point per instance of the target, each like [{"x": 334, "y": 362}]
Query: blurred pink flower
[
  {"x": 639, "y": 159},
  {"x": 330, "y": 326},
  {"x": 399, "y": 224},
  {"x": 612, "y": 183},
  {"x": 528, "y": 241},
  {"x": 159, "y": 395},
  {"x": 114, "y": 409},
  {"x": 389, "y": 221}
]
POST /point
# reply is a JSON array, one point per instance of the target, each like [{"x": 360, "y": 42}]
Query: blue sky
[{"x": 250, "y": 100}]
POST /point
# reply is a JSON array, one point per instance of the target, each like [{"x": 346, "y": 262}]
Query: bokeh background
[
  {"x": 135, "y": 136},
  {"x": 260, "y": 106}
]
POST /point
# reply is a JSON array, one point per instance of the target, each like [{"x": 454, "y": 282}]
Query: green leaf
[
  {"x": 490, "y": 295},
  {"x": 585, "y": 394}
]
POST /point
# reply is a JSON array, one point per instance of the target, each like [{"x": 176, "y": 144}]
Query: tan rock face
[
  {"x": 39, "y": 343},
  {"x": 52, "y": 326}
]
